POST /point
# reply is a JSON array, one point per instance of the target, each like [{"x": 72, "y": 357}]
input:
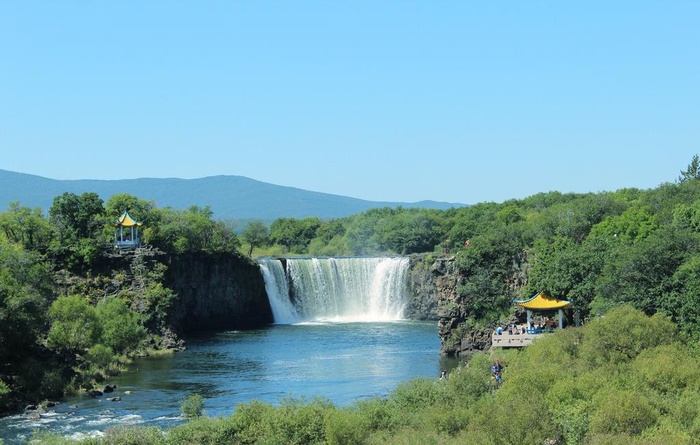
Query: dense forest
[{"x": 634, "y": 249}]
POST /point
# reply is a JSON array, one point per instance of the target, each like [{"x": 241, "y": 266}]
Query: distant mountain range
[{"x": 229, "y": 197}]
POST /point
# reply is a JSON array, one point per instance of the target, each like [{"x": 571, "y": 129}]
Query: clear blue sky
[{"x": 458, "y": 101}]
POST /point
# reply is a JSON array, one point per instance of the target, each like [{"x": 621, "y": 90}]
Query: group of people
[
  {"x": 512, "y": 329},
  {"x": 497, "y": 370}
]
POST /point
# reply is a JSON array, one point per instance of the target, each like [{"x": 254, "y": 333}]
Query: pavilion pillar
[
  {"x": 529, "y": 319},
  {"x": 561, "y": 319}
]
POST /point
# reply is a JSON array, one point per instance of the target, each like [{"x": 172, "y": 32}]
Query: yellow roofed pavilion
[
  {"x": 126, "y": 231},
  {"x": 543, "y": 302},
  {"x": 126, "y": 221}
]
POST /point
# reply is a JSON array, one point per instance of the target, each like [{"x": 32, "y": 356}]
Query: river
[{"x": 343, "y": 362}]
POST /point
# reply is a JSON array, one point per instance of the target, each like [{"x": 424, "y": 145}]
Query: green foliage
[
  {"x": 153, "y": 304},
  {"x": 622, "y": 334},
  {"x": 4, "y": 393},
  {"x": 346, "y": 427},
  {"x": 27, "y": 227},
  {"x": 141, "y": 209},
  {"x": 621, "y": 412},
  {"x": 255, "y": 234},
  {"x": 24, "y": 291},
  {"x": 75, "y": 326},
  {"x": 191, "y": 230},
  {"x": 79, "y": 225},
  {"x": 121, "y": 328},
  {"x": 123, "y": 435},
  {"x": 294, "y": 234},
  {"x": 293, "y": 422},
  {"x": 414, "y": 395},
  {"x": 692, "y": 171},
  {"x": 192, "y": 406},
  {"x": 76, "y": 216},
  {"x": 100, "y": 356}
]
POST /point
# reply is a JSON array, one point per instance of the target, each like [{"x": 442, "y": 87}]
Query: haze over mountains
[{"x": 234, "y": 197}]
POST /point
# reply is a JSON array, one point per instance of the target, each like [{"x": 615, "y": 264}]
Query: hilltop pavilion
[{"x": 126, "y": 232}]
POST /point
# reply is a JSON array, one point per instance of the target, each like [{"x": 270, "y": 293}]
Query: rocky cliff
[
  {"x": 428, "y": 284},
  {"x": 216, "y": 292},
  {"x": 433, "y": 282}
]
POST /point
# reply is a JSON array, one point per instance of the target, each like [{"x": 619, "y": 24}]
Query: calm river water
[{"x": 344, "y": 362}]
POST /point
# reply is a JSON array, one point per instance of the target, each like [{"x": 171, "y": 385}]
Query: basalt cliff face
[
  {"x": 428, "y": 285},
  {"x": 433, "y": 283},
  {"x": 216, "y": 292}
]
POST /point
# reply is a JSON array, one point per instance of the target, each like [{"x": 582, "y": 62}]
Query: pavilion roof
[
  {"x": 126, "y": 221},
  {"x": 543, "y": 302}
]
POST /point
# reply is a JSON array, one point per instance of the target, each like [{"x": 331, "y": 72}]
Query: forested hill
[{"x": 228, "y": 196}]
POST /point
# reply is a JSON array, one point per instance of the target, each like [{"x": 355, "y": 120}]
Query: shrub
[
  {"x": 415, "y": 394},
  {"x": 202, "y": 431},
  {"x": 4, "y": 392},
  {"x": 377, "y": 414},
  {"x": 298, "y": 422},
  {"x": 346, "y": 427},
  {"x": 252, "y": 421},
  {"x": 622, "y": 334},
  {"x": 133, "y": 436},
  {"x": 100, "y": 356},
  {"x": 622, "y": 412},
  {"x": 121, "y": 329},
  {"x": 470, "y": 383},
  {"x": 446, "y": 420},
  {"x": 192, "y": 406}
]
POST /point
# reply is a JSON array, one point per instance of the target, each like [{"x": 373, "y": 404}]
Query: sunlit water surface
[{"x": 343, "y": 362}]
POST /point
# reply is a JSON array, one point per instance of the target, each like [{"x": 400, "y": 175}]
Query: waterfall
[{"x": 336, "y": 289}]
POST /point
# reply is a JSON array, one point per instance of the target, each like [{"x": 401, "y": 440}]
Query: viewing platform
[{"x": 519, "y": 340}]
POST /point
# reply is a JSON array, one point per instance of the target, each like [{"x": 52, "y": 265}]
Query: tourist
[{"x": 497, "y": 369}]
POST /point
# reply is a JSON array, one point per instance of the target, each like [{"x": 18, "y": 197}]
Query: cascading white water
[{"x": 336, "y": 289}]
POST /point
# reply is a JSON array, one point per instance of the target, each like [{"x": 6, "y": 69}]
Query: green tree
[
  {"x": 294, "y": 234},
  {"x": 692, "y": 171},
  {"x": 120, "y": 326},
  {"x": 25, "y": 288},
  {"x": 191, "y": 230},
  {"x": 26, "y": 226},
  {"x": 410, "y": 231},
  {"x": 256, "y": 235},
  {"x": 79, "y": 223},
  {"x": 76, "y": 216},
  {"x": 641, "y": 274},
  {"x": 140, "y": 209},
  {"x": 75, "y": 326},
  {"x": 603, "y": 341}
]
